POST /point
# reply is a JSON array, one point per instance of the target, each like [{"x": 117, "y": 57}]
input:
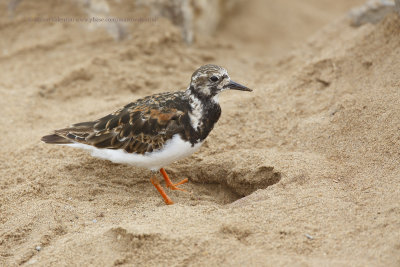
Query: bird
[{"x": 157, "y": 130}]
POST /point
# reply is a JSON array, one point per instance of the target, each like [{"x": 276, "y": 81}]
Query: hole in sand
[
  {"x": 224, "y": 186},
  {"x": 213, "y": 192}
]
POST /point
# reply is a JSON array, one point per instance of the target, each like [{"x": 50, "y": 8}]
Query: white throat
[
  {"x": 196, "y": 113},
  {"x": 215, "y": 99}
]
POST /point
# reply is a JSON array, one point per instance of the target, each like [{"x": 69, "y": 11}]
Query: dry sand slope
[{"x": 303, "y": 171}]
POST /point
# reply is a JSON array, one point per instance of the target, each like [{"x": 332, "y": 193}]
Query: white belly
[{"x": 173, "y": 150}]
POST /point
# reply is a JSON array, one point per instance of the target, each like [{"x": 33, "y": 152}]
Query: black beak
[{"x": 235, "y": 86}]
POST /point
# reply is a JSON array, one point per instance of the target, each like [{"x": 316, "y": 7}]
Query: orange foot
[{"x": 169, "y": 183}]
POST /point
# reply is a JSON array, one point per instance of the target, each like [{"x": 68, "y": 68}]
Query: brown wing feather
[
  {"x": 139, "y": 127},
  {"x": 144, "y": 132}
]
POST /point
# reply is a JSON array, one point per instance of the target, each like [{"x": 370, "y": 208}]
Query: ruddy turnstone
[{"x": 156, "y": 130}]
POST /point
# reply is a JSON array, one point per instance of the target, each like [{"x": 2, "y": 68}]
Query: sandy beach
[{"x": 303, "y": 171}]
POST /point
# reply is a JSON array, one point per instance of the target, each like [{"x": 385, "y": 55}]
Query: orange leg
[
  {"x": 160, "y": 190},
  {"x": 170, "y": 184}
]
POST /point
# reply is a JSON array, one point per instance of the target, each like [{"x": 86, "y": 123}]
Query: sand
[{"x": 304, "y": 171}]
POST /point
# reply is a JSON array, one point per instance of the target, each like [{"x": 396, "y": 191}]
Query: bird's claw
[{"x": 175, "y": 186}]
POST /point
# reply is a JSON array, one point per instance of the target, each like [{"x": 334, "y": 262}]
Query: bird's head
[{"x": 209, "y": 80}]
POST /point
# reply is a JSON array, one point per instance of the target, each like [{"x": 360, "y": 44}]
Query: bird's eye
[{"x": 214, "y": 78}]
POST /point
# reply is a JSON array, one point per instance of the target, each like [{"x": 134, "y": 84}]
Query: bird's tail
[
  {"x": 55, "y": 139},
  {"x": 76, "y": 132}
]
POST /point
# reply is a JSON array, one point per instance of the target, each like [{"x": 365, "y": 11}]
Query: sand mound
[{"x": 304, "y": 170}]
